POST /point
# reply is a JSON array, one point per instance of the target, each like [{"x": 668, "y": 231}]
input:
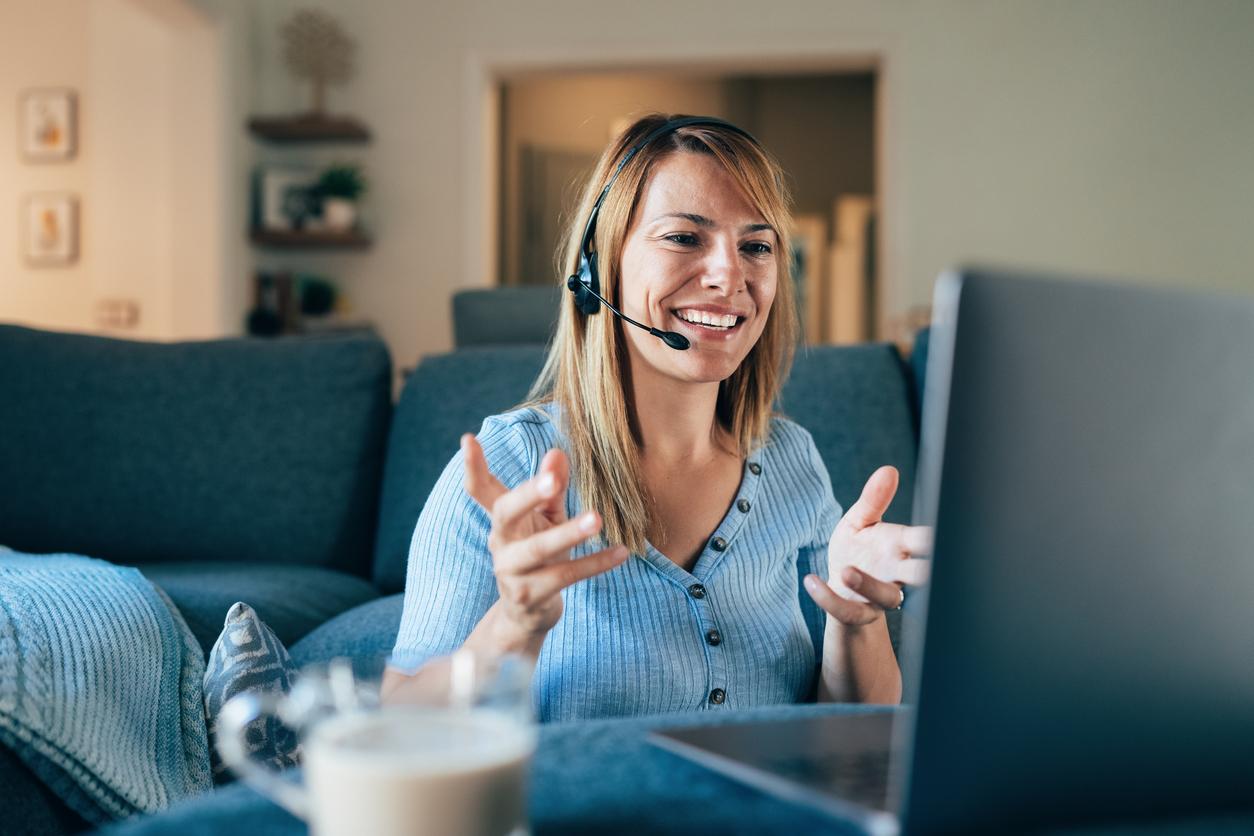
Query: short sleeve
[
  {"x": 812, "y": 558},
  {"x": 449, "y": 584}
]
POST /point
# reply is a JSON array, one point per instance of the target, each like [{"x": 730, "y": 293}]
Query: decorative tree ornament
[{"x": 316, "y": 48}]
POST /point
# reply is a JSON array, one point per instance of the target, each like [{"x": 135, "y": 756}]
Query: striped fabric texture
[
  {"x": 99, "y": 686},
  {"x": 646, "y": 637}
]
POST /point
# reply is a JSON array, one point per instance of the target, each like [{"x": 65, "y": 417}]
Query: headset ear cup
[
  {"x": 583, "y": 281},
  {"x": 592, "y": 281},
  {"x": 579, "y": 283}
]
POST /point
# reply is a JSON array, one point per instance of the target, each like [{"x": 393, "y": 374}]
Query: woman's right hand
[{"x": 530, "y": 541}]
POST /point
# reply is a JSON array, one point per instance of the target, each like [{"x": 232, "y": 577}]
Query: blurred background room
[{"x": 164, "y": 179}]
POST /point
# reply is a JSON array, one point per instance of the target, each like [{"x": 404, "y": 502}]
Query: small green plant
[{"x": 342, "y": 180}]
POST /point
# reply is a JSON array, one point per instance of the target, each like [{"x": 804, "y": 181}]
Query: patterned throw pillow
[{"x": 248, "y": 656}]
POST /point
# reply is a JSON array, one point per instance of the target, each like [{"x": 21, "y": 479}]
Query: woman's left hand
[{"x": 869, "y": 560}]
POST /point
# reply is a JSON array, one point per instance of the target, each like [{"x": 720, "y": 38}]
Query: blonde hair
[{"x": 587, "y": 373}]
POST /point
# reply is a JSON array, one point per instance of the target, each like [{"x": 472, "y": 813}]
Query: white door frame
[{"x": 485, "y": 69}]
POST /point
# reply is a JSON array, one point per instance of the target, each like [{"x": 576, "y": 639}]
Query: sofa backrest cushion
[
  {"x": 260, "y": 451},
  {"x": 445, "y": 396},
  {"x": 855, "y": 401},
  {"x": 505, "y": 315}
]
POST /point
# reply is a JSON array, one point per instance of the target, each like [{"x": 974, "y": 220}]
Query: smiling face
[{"x": 698, "y": 259}]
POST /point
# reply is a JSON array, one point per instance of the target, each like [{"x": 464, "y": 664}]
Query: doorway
[{"x": 820, "y": 125}]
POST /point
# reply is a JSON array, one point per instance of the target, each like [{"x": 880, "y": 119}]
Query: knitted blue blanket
[{"x": 100, "y": 685}]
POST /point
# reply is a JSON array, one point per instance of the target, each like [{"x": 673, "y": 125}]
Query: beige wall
[
  {"x": 1113, "y": 137},
  {"x": 42, "y": 45},
  {"x": 148, "y": 175}
]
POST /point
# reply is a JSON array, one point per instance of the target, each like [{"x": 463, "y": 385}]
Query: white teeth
[{"x": 707, "y": 318}]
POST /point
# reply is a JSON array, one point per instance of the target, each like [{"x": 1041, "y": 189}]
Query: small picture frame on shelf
[
  {"x": 285, "y": 198},
  {"x": 50, "y": 229},
  {"x": 47, "y": 124}
]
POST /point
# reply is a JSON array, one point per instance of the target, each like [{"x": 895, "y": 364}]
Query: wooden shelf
[
  {"x": 308, "y": 128},
  {"x": 300, "y": 239}
]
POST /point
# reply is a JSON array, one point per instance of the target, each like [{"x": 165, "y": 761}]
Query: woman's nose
[{"x": 723, "y": 269}]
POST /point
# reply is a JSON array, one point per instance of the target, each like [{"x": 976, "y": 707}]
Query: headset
[{"x": 586, "y": 283}]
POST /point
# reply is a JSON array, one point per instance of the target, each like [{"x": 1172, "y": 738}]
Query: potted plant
[{"x": 339, "y": 187}]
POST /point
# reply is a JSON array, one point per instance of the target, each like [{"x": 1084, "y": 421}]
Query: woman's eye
[
  {"x": 682, "y": 238},
  {"x": 758, "y": 248}
]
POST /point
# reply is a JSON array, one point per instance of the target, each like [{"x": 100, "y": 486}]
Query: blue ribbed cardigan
[{"x": 646, "y": 637}]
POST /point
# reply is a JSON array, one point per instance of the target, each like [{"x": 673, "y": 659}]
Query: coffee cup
[{"x": 449, "y": 757}]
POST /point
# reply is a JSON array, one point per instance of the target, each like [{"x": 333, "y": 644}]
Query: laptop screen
[{"x": 1088, "y": 461}]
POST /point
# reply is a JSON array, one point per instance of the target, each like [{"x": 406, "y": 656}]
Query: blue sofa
[{"x": 280, "y": 472}]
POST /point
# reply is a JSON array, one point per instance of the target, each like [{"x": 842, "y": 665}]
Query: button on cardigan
[{"x": 647, "y": 636}]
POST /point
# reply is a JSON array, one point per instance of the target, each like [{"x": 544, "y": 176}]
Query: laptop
[{"x": 1087, "y": 458}]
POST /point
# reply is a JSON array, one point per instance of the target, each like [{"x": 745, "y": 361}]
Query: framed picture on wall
[
  {"x": 50, "y": 229},
  {"x": 47, "y": 124}
]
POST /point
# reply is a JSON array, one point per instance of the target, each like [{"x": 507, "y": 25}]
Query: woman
[{"x": 642, "y": 526}]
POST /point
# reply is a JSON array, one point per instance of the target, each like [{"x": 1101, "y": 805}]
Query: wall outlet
[{"x": 117, "y": 314}]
